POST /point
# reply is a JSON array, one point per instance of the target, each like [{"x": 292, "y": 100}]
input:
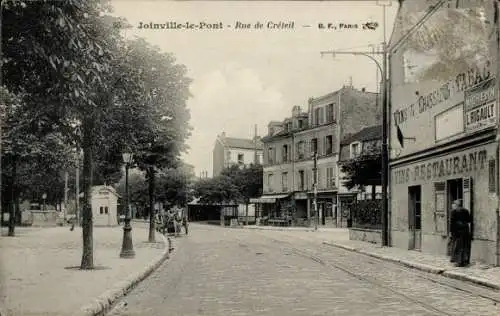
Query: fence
[{"x": 367, "y": 214}]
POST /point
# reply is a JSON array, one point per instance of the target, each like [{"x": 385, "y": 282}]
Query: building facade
[
  {"x": 289, "y": 149},
  {"x": 443, "y": 131},
  {"x": 229, "y": 151}
]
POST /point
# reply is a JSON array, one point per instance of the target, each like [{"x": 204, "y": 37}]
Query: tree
[
  {"x": 235, "y": 184},
  {"x": 162, "y": 123},
  {"x": 32, "y": 158},
  {"x": 174, "y": 185},
  {"x": 58, "y": 57},
  {"x": 363, "y": 170}
]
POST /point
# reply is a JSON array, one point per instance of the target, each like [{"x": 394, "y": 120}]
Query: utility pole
[
  {"x": 315, "y": 190},
  {"x": 65, "y": 194},
  {"x": 77, "y": 186}
]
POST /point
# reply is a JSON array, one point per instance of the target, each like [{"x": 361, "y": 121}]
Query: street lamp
[
  {"x": 44, "y": 197},
  {"x": 127, "y": 245}
]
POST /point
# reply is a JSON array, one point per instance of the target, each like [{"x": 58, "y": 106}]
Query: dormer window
[{"x": 355, "y": 149}]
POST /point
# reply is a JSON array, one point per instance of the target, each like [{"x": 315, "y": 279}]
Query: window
[
  {"x": 330, "y": 116},
  {"x": 301, "y": 180},
  {"x": 270, "y": 182},
  {"x": 316, "y": 116},
  {"x": 301, "y": 124},
  {"x": 330, "y": 177},
  {"x": 284, "y": 181},
  {"x": 106, "y": 210},
  {"x": 101, "y": 210},
  {"x": 240, "y": 159},
  {"x": 314, "y": 145},
  {"x": 355, "y": 149},
  {"x": 284, "y": 153},
  {"x": 270, "y": 155},
  {"x": 300, "y": 150},
  {"x": 328, "y": 145}
]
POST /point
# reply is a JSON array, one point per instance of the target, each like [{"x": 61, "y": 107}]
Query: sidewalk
[
  {"x": 476, "y": 273},
  {"x": 488, "y": 276},
  {"x": 38, "y": 274},
  {"x": 307, "y": 229}
]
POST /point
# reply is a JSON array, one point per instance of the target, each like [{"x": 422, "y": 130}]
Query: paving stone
[{"x": 219, "y": 271}]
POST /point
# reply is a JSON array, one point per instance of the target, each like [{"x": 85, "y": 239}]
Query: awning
[{"x": 268, "y": 198}]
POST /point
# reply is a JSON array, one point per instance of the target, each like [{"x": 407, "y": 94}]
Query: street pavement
[
  {"x": 223, "y": 271},
  {"x": 38, "y": 274}
]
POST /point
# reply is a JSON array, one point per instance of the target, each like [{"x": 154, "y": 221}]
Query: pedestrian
[{"x": 460, "y": 221}]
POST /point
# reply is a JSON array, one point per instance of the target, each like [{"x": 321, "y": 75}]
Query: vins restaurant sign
[{"x": 480, "y": 106}]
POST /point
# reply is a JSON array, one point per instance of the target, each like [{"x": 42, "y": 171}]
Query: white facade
[
  {"x": 104, "y": 206},
  {"x": 241, "y": 156}
]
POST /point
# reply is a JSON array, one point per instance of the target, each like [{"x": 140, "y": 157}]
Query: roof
[
  {"x": 241, "y": 143},
  {"x": 366, "y": 134},
  {"x": 97, "y": 188}
]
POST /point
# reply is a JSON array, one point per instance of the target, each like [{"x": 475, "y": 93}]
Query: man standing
[{"x": 460, "y": 221}]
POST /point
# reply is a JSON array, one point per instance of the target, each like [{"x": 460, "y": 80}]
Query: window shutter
[
  {"x": 468, "y": 201},
  {"x": 492, "y": 176},
  {"x": 440, "y": 208}
]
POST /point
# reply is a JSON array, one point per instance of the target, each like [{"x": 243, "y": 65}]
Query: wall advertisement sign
[{"x": 480, "y": 106}]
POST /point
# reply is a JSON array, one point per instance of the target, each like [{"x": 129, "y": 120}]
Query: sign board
[{"x": 480, "y": 106}]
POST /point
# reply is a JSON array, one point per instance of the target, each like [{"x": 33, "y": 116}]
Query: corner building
[{"x": 443, "y": 131}]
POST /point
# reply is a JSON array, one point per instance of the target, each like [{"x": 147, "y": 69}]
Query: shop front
[
  {"x": 326, "y": 208},
  {"x": 422, "y": 192}
]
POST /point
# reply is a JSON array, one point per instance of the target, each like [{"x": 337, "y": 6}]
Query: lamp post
[
  {"x": 127, "y": 245},
  {"x": 44, "y": 197}
]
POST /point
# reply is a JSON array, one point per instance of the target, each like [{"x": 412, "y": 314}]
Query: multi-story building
[
  {"x": 229, "y": 151},
  {"x": 289, "y": 150},
  {"x": 444, "y": 129}
]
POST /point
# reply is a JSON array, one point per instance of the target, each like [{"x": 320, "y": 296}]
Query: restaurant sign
[
  {"x": 480, "y": 106},
  {"x": 458, "y": 164}
]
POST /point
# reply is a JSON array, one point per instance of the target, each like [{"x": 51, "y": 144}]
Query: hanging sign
[{"x": 480, "y": 106}]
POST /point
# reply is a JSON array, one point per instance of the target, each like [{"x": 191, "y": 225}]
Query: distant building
[
  {"x": 230, "y": 151},
  {"x": 352, "y": 146},
  {"x": 104, "y": 200},
  {"x": 289, "y": 150}
]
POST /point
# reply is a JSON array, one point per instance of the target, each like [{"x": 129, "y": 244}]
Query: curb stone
[
  {"x": 422, "y": 267},
  {"x": 102, "y": 304}
]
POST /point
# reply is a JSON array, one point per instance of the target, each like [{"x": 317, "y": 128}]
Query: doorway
[
  {"x": 455, "y": 192},
  {"x": 415, "y": 217}
]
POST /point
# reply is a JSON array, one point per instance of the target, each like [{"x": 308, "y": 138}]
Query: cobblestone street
[{"x": 217, "y": 271}]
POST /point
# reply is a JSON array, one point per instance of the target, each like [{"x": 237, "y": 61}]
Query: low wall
[
  {"x": 44, "y": 218},
  {"x": 373, "y": 236}
]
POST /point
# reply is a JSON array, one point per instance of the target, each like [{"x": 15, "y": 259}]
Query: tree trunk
[
  {"x": 87, "y": 225},
  {"x": 151, "y": 237},
  {"x": 12, "y": 204}
]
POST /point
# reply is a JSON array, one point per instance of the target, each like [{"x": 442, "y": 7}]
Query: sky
[{"x": 247, "y": 77}]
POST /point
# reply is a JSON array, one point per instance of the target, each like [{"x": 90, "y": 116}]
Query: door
[{"x": 415, "y": 217}]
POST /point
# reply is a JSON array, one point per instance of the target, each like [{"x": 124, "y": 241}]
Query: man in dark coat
[{"x": 461, "y": 234}]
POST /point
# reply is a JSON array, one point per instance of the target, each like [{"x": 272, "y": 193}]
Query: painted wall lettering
[
  {"x": 443, "y": 167},
  {"x": 460, "y": 83}
]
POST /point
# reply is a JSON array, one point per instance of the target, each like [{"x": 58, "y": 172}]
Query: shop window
[{"x": 492, "y": 176}]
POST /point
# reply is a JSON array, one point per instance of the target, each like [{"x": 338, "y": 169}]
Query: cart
[{"x": 171, "y": 221}]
